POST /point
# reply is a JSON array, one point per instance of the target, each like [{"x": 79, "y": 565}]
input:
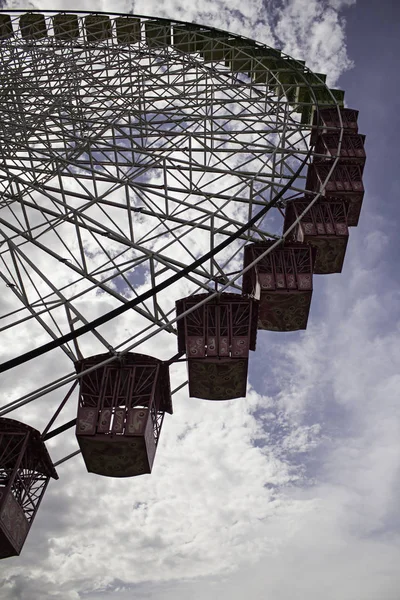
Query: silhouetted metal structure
[
  {"x": 345, "y": 183},
  {"x": 120, "y": 414},
  {"x": 100, "y": 109},
  {"x": 328, "y": 121},
  {"x": 352, "y": 149},
  {"x": 324, "y": 227},
  {"x": 217, "y": 337},
  {"x": 25, "y": 470},
  {"x": 282, "y": 281}
]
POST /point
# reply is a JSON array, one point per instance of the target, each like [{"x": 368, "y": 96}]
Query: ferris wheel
[{"x": 163, "y": 185}]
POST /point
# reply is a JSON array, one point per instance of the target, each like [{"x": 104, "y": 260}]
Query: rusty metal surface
[
  {"x": 117, "y": 437},
  {"x": 329, "y": 121},
  {"x": 218, "y": 379},
  {"x": 352, "y": 148},
  {"x": 345, "y": 183},
  {"x": 130, "y": 380},
  {"x": 283, "y": 279},
  {"x": 118, "y": 456},
  {"x": 14, "y": 526},
  {"x": 215, "y": 327},
  {"x": 217, "y": 338},
  {"x": 282, "y": 268},
  {"x": 286, "y": 311},
  {"x": 25, "y": 469},
  {"x": 87, "y": 420},
  {"x": 330, "y": 254},
  {"x": 37, "y": 449},
  {"x": 345, "y": 179},
  {"x": 325, "y": 228}
]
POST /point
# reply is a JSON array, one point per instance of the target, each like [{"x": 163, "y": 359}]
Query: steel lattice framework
[{"x": 130, "y": 148}]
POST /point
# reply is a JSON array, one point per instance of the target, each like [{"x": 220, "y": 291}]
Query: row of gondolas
[{"x": 122, "y": 404}]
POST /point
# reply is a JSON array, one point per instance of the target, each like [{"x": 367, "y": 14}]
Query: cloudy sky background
[{"x": 293, "y": 491}]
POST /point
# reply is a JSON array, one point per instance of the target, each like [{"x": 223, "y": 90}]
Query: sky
[{"x": 293, "y": 491}]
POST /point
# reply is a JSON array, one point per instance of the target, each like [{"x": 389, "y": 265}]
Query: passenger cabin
[
  {"x": 188, "y": 38},
  {"x": 6, "y": 28},
  {"x": 98, "y": 28},
  {"x": 120, "y": 413},
  {"x": 158, "y": 33},
  {"x": 324, "y": 227},
  {"x": 32, "y": 26},
  {"x": 25, "y": 470},
  {"x": 265, "y": 65},
  {"x": 214, "y": 45},
  {"x": 327, "y": 120},
  {"x": 65, "y": 26},
  {"x": 216, "y": 338},
  {"x": 351, "y": 148},
  {"x": 239, "y": 55},
  {"x": 344, "y": 183},
  {"x": 128, "y": 30},
  {"x": 282, "y": 281},
  {"x": 320, "y": 96}
]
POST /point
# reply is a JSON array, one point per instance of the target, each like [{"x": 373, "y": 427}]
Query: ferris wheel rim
[
  {"x": 111, "y": 314},
  {"x": 124, "y": 307}
]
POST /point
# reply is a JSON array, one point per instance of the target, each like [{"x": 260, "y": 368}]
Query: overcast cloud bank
[{"x": 289, "y": 493}]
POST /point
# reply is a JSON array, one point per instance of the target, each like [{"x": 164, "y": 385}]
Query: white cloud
[
  {"x": 313, "y": 30},
  {"x": 290, "y": 494},
  {"x": 340, "y": 4},
  {"x": 216, "y": 505}
]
